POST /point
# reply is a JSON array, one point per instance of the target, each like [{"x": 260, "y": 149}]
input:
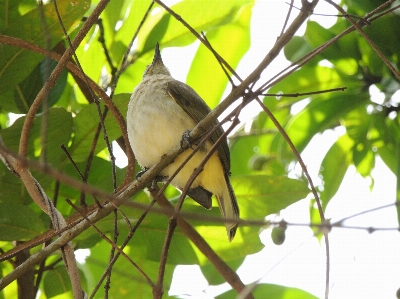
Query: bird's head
[{"x": 157, "y": 67}]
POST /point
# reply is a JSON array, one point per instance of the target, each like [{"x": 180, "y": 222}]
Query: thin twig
[
  {"x": 300, "y": 94},
  {"x": 287, "y": 18}
]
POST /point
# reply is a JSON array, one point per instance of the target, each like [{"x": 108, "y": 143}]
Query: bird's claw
[
  {"x": 185, "y": 141},
  {"x": 157, "y": 179},
  {"x": 140, "y": 173}
]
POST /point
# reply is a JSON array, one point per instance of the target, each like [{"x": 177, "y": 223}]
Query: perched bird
[{"x": 160, "y": 111}]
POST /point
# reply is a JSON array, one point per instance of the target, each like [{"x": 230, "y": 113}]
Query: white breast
[{"x": 155, "y": 122}]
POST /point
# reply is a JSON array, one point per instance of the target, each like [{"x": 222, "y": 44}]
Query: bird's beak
[{"x": 157, "y": 55}]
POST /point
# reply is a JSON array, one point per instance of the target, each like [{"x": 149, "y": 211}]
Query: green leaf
[
  {"x": 360, "y": 127},
  {"x": 242, "y": 149},
  {"x": 245, "y": 147},
  {"x": 370, "y": 58},
  {"x": 114, "y": 13},
  {"x": 13, "y": 10},
  {"x": 132, "y": 21},
  {"x": 12, "y": 189},
  {"x": 19, "y": 222},
  {"x": 217, "y": 13},
  {"x": 309, "y": 79},
  {"x": 56, "y": 135},
  {"x": 26, "y": 91},
  {"x": 205, "y": 66},
  {"x": 213, "y": 276},
  {"x": 126, "y": 279},
  {"x": 332, "y": 172},
  {"x": 296, "y": 48},
  {"x": 56, "y": 281},
  {"x": 361, "y": 7},
  {"x": 272, "y": 291},
  {"x": 262, "y": 195},
  {"x": 389, "y": 47},
  {"x": 15, "y": 63},
  {"x": 319, "y": 115},
  {"x": 86, "y": 123}
]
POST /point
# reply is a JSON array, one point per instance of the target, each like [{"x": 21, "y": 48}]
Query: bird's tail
[{"x": 229, "y": 209}]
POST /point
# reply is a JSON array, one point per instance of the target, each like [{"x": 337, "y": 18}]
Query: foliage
[{"x": 261, "y": 156}]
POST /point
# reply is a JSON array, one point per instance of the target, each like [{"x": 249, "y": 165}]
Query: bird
[{"x": 161, "y": 109}]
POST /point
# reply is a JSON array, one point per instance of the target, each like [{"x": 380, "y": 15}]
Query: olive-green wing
[{"x": 197, "y": 109}]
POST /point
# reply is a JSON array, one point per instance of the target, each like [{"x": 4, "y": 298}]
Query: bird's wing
[{"x": 184, "y": 95}]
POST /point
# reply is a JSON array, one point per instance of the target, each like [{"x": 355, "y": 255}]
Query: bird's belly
[{"x": 155, "y": 127}]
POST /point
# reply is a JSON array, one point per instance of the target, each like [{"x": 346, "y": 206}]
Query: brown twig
[
  {"x": 287, "y": 18},
  {"x": 300, "y": 94}
]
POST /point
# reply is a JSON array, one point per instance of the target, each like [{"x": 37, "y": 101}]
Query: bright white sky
[{"x": 362, "y": 265}]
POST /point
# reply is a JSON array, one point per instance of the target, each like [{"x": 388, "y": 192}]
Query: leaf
[
  {"x": 217, "y": 13},
  {"x": 360, "y": 127},
  {"x": 246, "y": 240},
  {"x": 309, "y": 79},
  {"x": 319, "y": 115},
  {"x": 241, "y": 151},
  {"x": 262, "y": 195},
  {"x": 26, "y": 91},
  {"x": 205, "y": 66},
  {"x": 15, "y": 63},
  {"x": 274, "y": 291},
  {"x": 387, "y": 46},
  {"x": 245, "y": 147},
  {"x": 332, "y": 172},
  {"x": 19, "y": 222},
  {"x": 12, "y": 189},
  {"x": 86, "y": 123},
  {"x": 213, "y": 276},
  {"x": 13, "y": 10},
  {"x": 59, "y": 130},
  {"x": 296, "y": 48},
  {"x": 126, "y": 279},
  {"x": 57, "y": 281}
]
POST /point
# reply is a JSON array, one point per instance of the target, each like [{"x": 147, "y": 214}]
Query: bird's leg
[
  {"x": 185, "y": 141},
  {"x": 157, "y": 178},
  {"x": 140, "y": 173}
]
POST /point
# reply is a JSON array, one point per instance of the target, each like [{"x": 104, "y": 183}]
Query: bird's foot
[
  {"x": 185, "y": 141},
  {"x": 157, "y": 179},
  {"x": 140, "y": 173}
]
